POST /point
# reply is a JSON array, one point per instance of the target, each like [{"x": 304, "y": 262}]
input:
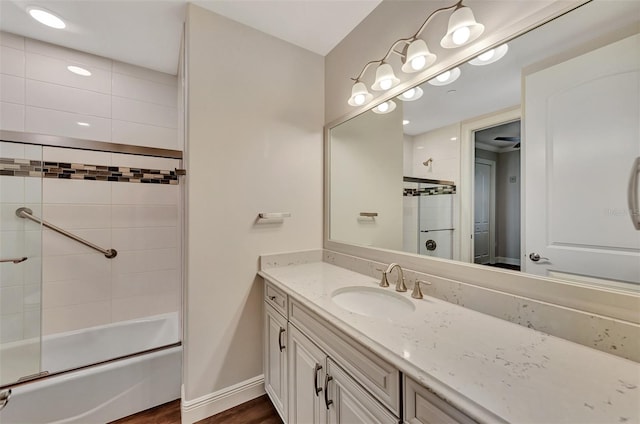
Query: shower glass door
[{"x": 21, "y": 262}]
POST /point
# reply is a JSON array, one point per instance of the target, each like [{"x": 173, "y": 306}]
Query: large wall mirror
[{"x": 526, "y": 157}]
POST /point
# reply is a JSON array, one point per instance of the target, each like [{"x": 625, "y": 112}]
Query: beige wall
[
  {"x": 255, "y": 106},
  {"x": 393, "y": 19}
]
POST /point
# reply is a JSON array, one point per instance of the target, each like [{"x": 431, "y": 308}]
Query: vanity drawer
[
  {"x": 421, "y": 406},
  {"x": 276, "y": 298},
  {"x": 377, "y": 376}
]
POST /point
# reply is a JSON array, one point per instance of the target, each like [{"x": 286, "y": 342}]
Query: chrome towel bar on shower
[{"x": 28, "y": 213}]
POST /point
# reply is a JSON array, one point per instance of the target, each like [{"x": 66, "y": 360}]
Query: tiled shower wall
[
  {"x": 121, "y": 103},
  {"x": 80, "y": 287}
]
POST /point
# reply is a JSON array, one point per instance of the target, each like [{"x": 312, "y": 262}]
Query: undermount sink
[{"x": 372, "y": 302}]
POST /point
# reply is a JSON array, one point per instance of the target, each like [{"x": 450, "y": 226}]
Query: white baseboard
[
  {"x": 508, "y": 261},
  {"x": 216, "y": 402}
]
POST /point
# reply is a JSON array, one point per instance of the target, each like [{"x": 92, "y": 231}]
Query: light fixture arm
[{"x": 406, "y": 40}]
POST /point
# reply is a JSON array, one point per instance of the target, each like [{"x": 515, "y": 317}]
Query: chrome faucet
[{"x": 400, "y": 286}]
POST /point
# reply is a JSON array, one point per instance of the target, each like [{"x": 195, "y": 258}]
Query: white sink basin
[{"x": 373, "y": 302}]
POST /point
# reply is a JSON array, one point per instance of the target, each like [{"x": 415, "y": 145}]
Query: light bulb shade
[
  {"x": 417, "y": 57},
  {"x": 385, "y": 78},
  {"x": 460, "y": 19},
  {"x": 386, "y": 107},
  {"x": 411, "y": 94},
  {"x": 359, "y": 95},
  {"x": 453, "y": 74},
  {"x": 487, "y": 58}
]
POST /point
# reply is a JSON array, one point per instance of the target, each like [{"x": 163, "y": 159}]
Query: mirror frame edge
[{"x": 608, "y": 302}]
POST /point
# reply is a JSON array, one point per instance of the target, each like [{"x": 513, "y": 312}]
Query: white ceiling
[{"x": 147, "y": 32}]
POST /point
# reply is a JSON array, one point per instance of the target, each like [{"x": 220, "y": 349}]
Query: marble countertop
[{"x": 488, "y": 368}]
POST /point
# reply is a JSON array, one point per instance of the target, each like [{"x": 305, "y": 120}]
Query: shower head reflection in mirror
[{"x": 508, "y": 202}]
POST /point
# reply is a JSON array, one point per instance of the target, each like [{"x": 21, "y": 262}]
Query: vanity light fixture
[
  {"x": 415, "y": 53},
  {"x": 490, "y": 56},
  {"x": 46, "y": 18},
  {"x": 411, "y": 94},
  {"x": 446, "y": 77},
  {"x": 386, "y": 107},
  {"x": 79, "y": 71}
]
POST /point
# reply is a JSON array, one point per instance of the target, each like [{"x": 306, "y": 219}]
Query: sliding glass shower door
[{"x": 20, "y": 262}]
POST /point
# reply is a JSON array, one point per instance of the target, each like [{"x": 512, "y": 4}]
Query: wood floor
[{"x": 256, "y": 411}]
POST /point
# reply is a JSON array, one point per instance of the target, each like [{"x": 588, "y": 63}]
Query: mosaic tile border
[
  {"x": 78, "y": 171},
  {"x": 430, "y": 191}
]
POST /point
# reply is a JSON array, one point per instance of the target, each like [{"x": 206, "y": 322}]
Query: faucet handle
[
  {"x": 417, "y": 293},
  {"x": 383, "y": 280}
]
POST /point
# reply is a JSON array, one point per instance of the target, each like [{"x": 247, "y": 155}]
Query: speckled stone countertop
[{"x": 488, "y": 368}]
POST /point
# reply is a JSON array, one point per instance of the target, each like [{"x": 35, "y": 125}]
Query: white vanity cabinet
[
  {"x": 275, "y": 359},
  {"x": 421, "y": 406}
]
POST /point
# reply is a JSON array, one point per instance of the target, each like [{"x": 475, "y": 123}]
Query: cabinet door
[
  {"x": 275, "y": 359},
  {"x": 421, "y": 406},
  {"x": 348, "y": 403},
  {"x": 306, "y": 378}
]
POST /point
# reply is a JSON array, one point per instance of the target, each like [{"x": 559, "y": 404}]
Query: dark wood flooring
[{"x": 256, "y": 411}]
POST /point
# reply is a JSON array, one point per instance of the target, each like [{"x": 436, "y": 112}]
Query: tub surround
[{"x": 484, "y": 366}]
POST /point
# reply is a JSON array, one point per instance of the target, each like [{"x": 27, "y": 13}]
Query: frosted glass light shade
[
  {"x": 411, "y": 94},
  {"x": 386, "y": 107},
  {"x": 462, "y": 29},
  {"x": 446, "y": 77},
  {"x": 46, "y": 18},
  {"x": 490, "y": 56},
  {"x": 359, "y": 95},
  {"x": 385, "y": 78},
  {"x": 417, "y": 57}
]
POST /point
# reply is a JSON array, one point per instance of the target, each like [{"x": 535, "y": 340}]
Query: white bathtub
[{"x": 106, "y": 392}]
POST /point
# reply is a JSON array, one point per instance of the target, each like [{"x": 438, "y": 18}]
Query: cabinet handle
[
  {"x": 315, "y": 380},
  {"x": 280, "y": 345},
  {"x": 327, "y": 401},
  {"x": 272, "y": 298}
]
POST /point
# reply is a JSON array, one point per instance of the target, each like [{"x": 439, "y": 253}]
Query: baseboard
[
  {"x": 221, "y": 400},
  {"x": 508, "y": 261}
]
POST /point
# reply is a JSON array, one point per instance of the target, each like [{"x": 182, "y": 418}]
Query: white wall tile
[
  {"x": 54, "y": 244},
  {"x": 144, "y": 90},
  {"x": 74, "y": 267},
  {"x": 143, "y": 306},
  {"x": 11, "y": 40},
  {"x": 68, "y": 99},
  {"x": 12, "y": 189},
  {"x": 11, "y": 328},
  {"x": 75, "y": 216},
  {"x": 32, "y": 323},
  {"x": 74, "y": 57},
  {"x": 33, "y": 190},
  {"x": 146, "y": 260},
  {"x": 144, "y": 73},
  {"x": 11, "y": 245},
  {"x": 125, "y": 216},
  {"x": 33, "y": 152},
  {"x": 11, "y": 89},
  {"x": 67, "y": 318},
  {"x": 11, "y": 150},
  {"x": 59, "y": 154},
  {"x": 11, "y": 300},
  {"x": 8, "y": 219},
  {"x": 12, "y": 61},
  {"x": 32, "y": 296},
  {"x": 48, "y": 69},
  {"x": 48, "y": 121},
  {"x": 127, "y": 239},
  {"x": 144, "y": 113},
  {"x": 147, "y": 162},
  {"x": 75, "y": 292},
  {"x": 12, "y": 116},
  {"x": 144, "y": 194},
  {"x": 144, "y": 135},
  {"x": 77, "y": 192},
  {"x": 145, "y": 283}
]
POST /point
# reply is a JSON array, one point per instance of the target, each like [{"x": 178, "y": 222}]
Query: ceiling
[{"x": 108, "y": 27}]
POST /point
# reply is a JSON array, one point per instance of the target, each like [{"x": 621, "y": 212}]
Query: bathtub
[{"x": 106, "y": 392}]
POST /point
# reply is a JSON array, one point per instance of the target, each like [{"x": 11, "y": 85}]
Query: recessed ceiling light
[
  {"x": 453, "y": 138},
  {"x": 46, "y": 18},
  {"x": 79, "y": 71},
  {"x": 405, "y": 122},
  {"x": 83, "y": 124}
]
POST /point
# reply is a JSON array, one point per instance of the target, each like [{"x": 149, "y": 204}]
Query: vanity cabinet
[
  {"x": 275, "y": 359},
  {"x": 422, "y": 406}
]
